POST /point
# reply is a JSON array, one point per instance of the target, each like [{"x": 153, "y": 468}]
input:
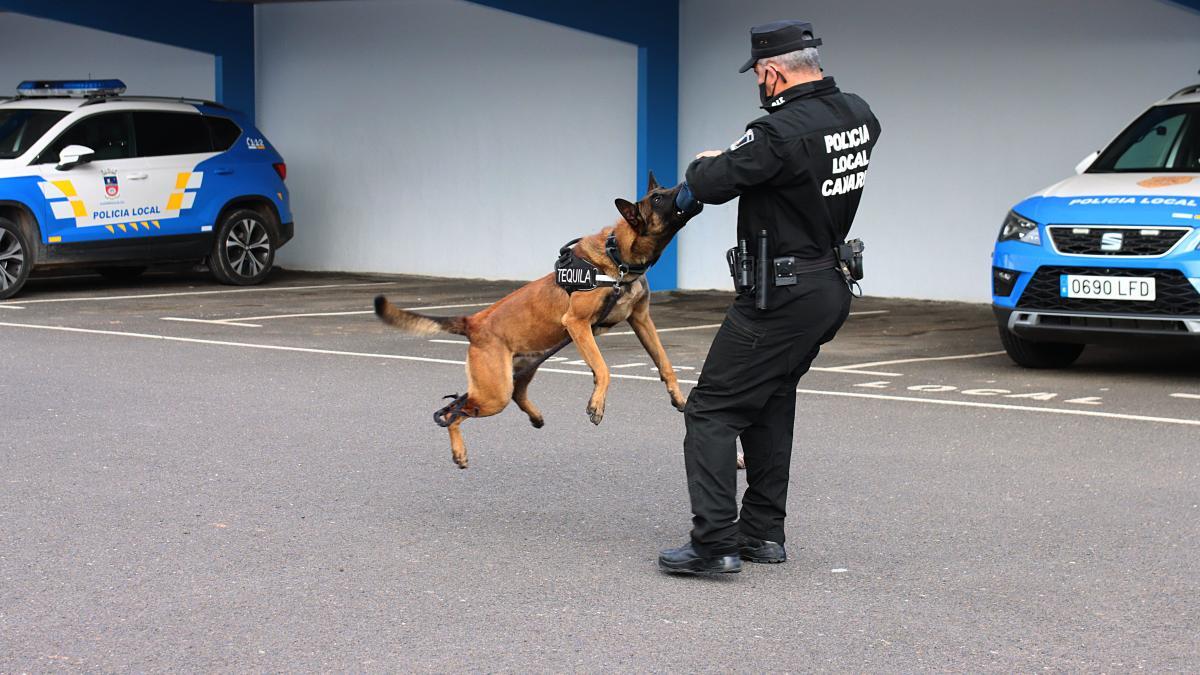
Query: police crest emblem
[{"x": 111, "y": 187}]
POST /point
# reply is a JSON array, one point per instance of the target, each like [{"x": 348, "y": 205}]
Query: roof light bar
[{"x": 79, "y": 88}]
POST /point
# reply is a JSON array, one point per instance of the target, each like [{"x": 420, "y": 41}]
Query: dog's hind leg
[
  {"x": 489, "y": 389},
  {"x": 524, "y": 370}
]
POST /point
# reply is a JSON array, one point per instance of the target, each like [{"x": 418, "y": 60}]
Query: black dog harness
[{"x": 572, "y": 274}]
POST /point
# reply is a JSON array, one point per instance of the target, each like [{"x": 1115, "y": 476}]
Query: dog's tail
[{"x": 418, "y": 324}]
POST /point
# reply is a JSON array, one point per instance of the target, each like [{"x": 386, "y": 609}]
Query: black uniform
[{"x": 799, "y": 171}]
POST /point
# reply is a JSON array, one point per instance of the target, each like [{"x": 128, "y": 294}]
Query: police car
[
  {"x": 91, "y": 178},
  {"x": 1111, "y": 253}
]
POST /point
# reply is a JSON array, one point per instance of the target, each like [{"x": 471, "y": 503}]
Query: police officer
[{"x": 799, "y": 171}]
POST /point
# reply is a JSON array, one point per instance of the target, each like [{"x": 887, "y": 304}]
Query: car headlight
[{"x": 1016, "y": 228}]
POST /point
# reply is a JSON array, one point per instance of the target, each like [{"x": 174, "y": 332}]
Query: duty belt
[{"x": 787, "y": 268}]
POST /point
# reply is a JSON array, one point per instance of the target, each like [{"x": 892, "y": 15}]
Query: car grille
[
  {"x": 1175, "y": 294},
  {"x": 1087, "y": 239}
]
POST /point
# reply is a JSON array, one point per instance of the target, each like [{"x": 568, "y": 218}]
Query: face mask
[{"x": 763, "y": 96}]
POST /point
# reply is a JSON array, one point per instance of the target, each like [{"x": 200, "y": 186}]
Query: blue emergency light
[{"x": 81, "y": 88}]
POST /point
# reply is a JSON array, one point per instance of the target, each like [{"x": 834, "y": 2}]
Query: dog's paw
[
  {"x": 537, "y": 422},
  {"x": 679, "y": 403},
  {"x": 596, "y": 416}
]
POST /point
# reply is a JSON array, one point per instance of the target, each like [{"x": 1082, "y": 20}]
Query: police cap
[{"x": 779, "y": 37}]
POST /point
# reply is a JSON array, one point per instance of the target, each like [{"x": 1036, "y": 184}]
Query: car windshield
[
  {"x": 22, "y": 127},
  {"x": 1166, "y": 139}
]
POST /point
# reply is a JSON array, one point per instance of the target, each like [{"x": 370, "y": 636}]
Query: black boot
[
  {"x": 757, "y": 550},
  {"x": 685, "y": 560}
]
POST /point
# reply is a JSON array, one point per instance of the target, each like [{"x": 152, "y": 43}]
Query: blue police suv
[
  {"x": 1111, "y": 253},
  {"x": 90, "y": 178}
]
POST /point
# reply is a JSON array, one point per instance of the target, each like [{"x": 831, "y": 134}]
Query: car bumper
[
  {"x": 1027, "y": 301},
  {"x": 1091, "y": 328},
  {"x": 286, "y": 232}
]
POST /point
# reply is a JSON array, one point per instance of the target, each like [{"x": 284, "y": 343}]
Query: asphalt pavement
[{"x": 202, "y": 478}]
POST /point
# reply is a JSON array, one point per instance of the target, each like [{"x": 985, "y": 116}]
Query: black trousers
[{"x": 747, "y": 390}]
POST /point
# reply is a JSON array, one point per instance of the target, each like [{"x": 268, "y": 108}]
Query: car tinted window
[
  {"x": 20, "y": 128},
  {"x": 224, "y": 132},
  {"x": 107, "y": 134},
  {"x": 1164, "y": 139},
  {"x": 170, "y": 133}
]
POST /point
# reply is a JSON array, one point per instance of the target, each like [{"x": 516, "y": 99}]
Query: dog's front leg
[
  {"x": 581, "y": 333},
  {"x": 647, "y": 334}
]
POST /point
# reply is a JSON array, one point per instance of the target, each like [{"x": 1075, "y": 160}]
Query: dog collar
[{"x": 624, "y": 269}]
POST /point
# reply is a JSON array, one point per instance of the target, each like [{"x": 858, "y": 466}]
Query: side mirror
[
  {"x": 74, "y": 155},
  {"x": 1087, "y": 162}
]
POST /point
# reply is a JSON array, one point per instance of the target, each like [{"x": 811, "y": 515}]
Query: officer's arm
[{"x": 753, "y": 161}]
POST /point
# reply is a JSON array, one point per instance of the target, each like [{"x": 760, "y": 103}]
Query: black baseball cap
[{"x": 779, "y": 37}]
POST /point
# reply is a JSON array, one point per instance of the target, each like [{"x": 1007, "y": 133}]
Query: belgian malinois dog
[{"x": 512, "y": 337}]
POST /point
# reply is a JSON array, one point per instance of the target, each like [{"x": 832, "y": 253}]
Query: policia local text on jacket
[{"x": 799, "y": 171}]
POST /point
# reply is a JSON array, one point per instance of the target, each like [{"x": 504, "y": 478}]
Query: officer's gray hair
[{"x": 801, "y": 59}]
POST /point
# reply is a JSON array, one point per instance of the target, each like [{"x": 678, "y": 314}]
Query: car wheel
[
  {"x": 121, "y": 273},
  {"x": 15, "y": 259},
  {"x": 244, "y": 250},
  {"x": 1032, "y": 354}
]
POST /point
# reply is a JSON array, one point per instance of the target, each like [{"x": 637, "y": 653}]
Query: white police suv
[
  {"x": 91, "y": 178},
  {"x": 1111, "y": 253}
]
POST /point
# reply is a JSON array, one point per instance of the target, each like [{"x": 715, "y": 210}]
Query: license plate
[{"x": 1108, "y": 288}]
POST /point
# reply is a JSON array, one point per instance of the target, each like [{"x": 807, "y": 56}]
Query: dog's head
[{"x": 656, "y": 216}]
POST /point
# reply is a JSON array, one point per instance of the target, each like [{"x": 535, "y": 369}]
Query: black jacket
[{"x": 799, "y": 170}]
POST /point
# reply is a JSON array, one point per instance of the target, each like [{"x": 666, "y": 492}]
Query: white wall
[
  {"x": 982, "y": 103},
  {"x": 39, "y": 49},
  {"x": 441, "y": 137}
]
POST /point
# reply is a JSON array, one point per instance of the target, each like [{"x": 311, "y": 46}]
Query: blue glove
[{"x": 685, "y": 202}]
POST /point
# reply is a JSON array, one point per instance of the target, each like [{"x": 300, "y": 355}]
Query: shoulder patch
[{"x": 748, "y": 137}]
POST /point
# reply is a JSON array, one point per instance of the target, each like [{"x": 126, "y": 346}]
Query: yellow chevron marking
[
  {"x": 80, "y": 211},
  {"x": 110, "y": 229},
  {"x": 181, "y": 181},
  {"x": 175, "y": 202},
  {"x": 134, "y": 226},
  {"x": 65, "y": 186},
  {"x": 121, "y": 226},
  {"x": 156, "y": 225},
  {"x": 145, "y": 225}
]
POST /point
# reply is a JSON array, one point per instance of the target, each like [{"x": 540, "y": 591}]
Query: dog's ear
[
  {"x": 629, "y": 211},
  {"x": 653, "y": 184}
]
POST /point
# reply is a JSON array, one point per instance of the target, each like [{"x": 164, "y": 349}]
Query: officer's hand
[{"x": 708, "y": 153}]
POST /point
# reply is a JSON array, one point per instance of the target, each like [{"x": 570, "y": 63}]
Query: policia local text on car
[{"x": 799, "y": 171}]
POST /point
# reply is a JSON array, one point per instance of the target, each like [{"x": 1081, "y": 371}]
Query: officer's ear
[
  {"x": 629, "y": 211},
  {"x": 652, "y": 184}
]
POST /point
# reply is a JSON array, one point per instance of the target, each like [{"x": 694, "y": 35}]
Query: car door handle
[
  {"x": 137, "y": 176},
  {"x": 224, "y": 172}
]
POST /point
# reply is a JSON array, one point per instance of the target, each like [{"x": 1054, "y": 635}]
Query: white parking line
[
  {"x": 857, "y": 366},
  {"x": 1003, "y": 406},
  {"x": 4, "y": 306},
  {"x": 257, "y": 289},
  {"x": 1189, "y": 396},
  {"x": 452, "y": 342},
  {"x": 670, "y": 330},
  {"x": 587, "y": 373},
  {"x": 717, "y": 325},
  {"x": 242, "y": 320}
]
